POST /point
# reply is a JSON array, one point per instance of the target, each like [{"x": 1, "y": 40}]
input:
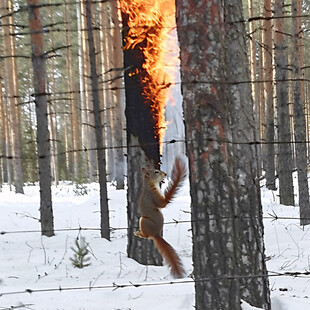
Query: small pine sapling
[{"x": 80, "y": 258}]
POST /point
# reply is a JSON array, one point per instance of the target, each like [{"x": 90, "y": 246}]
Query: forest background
[
  {"x": 70, "y": 117},
  {"x": 77, "y": 125}
]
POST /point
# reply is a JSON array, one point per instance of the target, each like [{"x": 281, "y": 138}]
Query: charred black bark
[{"x": 143, "y": 147}]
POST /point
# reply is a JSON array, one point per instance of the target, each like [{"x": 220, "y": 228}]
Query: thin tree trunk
[
  {"x": 255, "y": 87},
  {"x": 66, "y": 144},
  {"x": 3, "y": 141},
  {"x": 43, "y": 138},
  {"x": 53, "y": 138},
  {"x": 262, "y": 107},
  {"x": 113, "y": 59},
  {"x": 52, "y": 110},
  {"x": 88, "y": 108},
  {"x": 117, "y": 86},
  {"x": 105, "y": 42},
  {"x": 268, "y": 85},
  {"x": 72, "y": 103},
  {"x": 299, "y": 119},
  {"x": 11, "y": 85},
  {"x": 81, "y": 61},
  {"x": 104, "y": 208},
  {"x": 285, "y": 162},
  {"x": 252, "y": 56}
]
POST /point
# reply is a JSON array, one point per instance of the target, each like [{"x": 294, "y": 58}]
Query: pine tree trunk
[
  {"x": 3, "y": 141},
  {"x": 81, "y": 60},
  {"x": 52, "y": 109},
  {"x": 89, "y": 122},
  {"x": 114, "y": 111},
  {"x": 262, "y": 108},
  {"x": 255, "y": 86},
  {"x": 215, "y": 235},
  {"x": 104, "y": 207},
  {"x": 11, "y": 86},
  {"x": 117, "y": 86},
  {"x": 43, "y": 138},
  {"x": 72, "y": 104},
  {"x": 299, "y": 119},
  {"x": 106, "y": 55},
  {"x": 244, "y": 165},
  {"x": 223, "y": 175},
  {"x": 285, "y": 164},
  {"x": 268, "y": 85},
  {"x": 143, "y": 149}
]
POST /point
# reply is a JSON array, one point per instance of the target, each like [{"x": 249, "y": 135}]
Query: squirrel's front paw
[{"x": 139, "y": 234}]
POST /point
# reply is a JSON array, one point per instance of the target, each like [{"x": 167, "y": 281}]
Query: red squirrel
[{"x": 150, "y": 204}]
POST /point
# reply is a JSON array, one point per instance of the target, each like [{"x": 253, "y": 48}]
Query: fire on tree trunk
[
  {"x": 144, "y": 32},
  {"x": 143, "y": 149}
]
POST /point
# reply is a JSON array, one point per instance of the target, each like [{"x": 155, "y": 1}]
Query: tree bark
[
  {"x": 72, "y": 104},
  {"x": 142, "y": 145},
  {"x": 104, "y": 207},
  {"x": 255, "y": 85},
  {"x": 244, "y": 164},
  {"x": 117, "y": 86},
  {"x": 43, "y": 139},
  {"x": 285, "y": 161},
  {"x": 268, "y": 85},
  {"x": 11, "y": 86},
  {"x": 205, "y": 104},
  {"x": 105, "y": 56},
  {"x": 299, "y": 117},
  {"x": 220, "y": 129},
  {"x": 52, "y": 108},
  {"x": 3, "y": 135},
  {"x": 89, "y": 122},
  {"x": 81, "y": 65}
]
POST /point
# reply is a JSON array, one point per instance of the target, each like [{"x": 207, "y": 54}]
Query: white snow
[{"x": 41, "y": 265}]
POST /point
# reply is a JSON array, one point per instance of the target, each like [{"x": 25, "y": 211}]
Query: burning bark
[
  {"x": 146, "y": 88},
  {"x": 146, "y": 25}
]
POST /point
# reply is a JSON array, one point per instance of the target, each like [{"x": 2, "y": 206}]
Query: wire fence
[
  {"x": 186, "y": 281},
  {"x": 23, "y": 8},
  {"x": 173, "y": 141},
  {"x": 115, "y": 286},
  {"x": 271, "y": 217}
]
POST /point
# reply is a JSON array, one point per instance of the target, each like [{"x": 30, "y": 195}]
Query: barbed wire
[
  {"x": 172, "y": 141},
  {"x": 104, "y": 28},
  {"x": 273, "y": 217},
  {"x": 172, "y": 83},
  {"x": 114, "y": 286},
  {"x": 64, "y": 3},
  {"x": 99, "y": 27}
]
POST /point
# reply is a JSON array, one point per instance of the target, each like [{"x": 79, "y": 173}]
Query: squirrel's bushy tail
[
  {"x": 171, "y": 257},
  {"x": 178, "y": 176}
]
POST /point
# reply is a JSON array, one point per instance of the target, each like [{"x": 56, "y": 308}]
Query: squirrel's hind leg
[{"x": 147, "y": 228}]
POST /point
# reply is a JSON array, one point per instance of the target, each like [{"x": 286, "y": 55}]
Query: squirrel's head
[{"x": 154, "y": 175}]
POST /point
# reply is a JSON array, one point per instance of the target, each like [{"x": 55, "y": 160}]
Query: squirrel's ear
[{"x": 145, "y": 172}]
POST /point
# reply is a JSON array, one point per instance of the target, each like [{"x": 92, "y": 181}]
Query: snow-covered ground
[{"x": 36, "y": 272}]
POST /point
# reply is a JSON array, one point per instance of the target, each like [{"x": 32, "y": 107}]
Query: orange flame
[{"x": 150, "y": 21}]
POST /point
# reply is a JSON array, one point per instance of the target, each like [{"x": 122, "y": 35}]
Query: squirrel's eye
[{"x": 156, "y": 171}]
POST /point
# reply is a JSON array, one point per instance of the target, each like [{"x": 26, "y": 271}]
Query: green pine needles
[{"x": 80, "y": 257}]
